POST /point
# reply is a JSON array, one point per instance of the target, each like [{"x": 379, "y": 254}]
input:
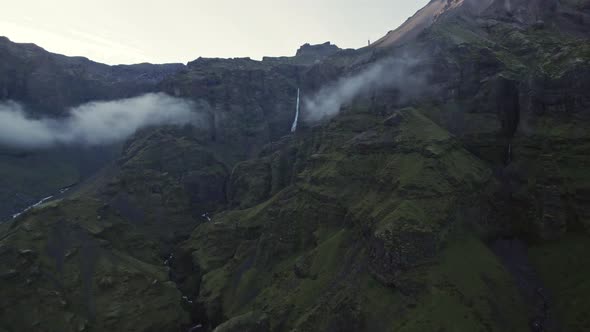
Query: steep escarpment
[
  {"x": 373, "y": 205},
  {"x": 308, "y": 54},
  {"x": 516, "y": 149},
  {"x": 250, "y": 103},
  {"x": 516, "y": 112},
  {"x": 246, "y": 105},
  {"x": 461, "y": 205},
  {"x": 165, "y": 183},
  {"x": 48, "y": 85}
]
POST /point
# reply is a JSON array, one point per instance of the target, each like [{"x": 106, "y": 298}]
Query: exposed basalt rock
[
  {"x": 548, "y": 94},
  {"x": 318, "y": 51},
  {"x": 307, "y": 55},
  {"x": 506, "y": 96},
  {"x": 485, "y": 112},
  {"x": 248, "y": 103},
  {"x": 393, "y": 252},
  {"x": 376, "y": 219},
  {"x": 166, "y": 171},
  {"x": 302, "y": 267},
  {"x": 254, "y": 181}
]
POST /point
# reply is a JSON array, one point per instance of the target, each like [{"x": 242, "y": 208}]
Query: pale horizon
[{"x": 180, "y": 31}]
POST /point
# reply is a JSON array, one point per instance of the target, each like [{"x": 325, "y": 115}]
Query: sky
[{"x": 135, "y": 31}]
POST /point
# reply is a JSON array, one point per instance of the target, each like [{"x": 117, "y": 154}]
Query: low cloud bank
[
  {"x": 388, "y": 73},
  {"x": 95, "y": 123}
]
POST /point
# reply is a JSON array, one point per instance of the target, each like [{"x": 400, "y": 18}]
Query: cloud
[
  {"x": 95, "y": 123},
  {"x": 388, "y": 73}
]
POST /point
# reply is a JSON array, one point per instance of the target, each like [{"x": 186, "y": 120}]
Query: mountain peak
[{"x": 519, "y": 11}]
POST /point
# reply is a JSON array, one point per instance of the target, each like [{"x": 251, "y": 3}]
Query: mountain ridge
[
  {"x": 460, "y": 206},
  {"x": 521, "y": 12}
]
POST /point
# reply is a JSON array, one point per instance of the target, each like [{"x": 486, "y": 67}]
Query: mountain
[
  {"x": 521, "y": 13},
  {"x": 453, "y": 200},
  {"x": 51, "y": 83}
]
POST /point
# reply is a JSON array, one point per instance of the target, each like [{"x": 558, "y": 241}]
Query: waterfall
[{"x": 294, "y": 126}]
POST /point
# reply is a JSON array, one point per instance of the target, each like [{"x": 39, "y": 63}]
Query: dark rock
[
  {"x": 505, "y": 97},
  {"x": 393, "y": 253},
  {"x": 10, "y": 274},
  {"x": 26, "y": 69},
  {"x": 302, "y": 267},
  {"x": 317, "y": 51},
  {"x": 539, "y": 25}
]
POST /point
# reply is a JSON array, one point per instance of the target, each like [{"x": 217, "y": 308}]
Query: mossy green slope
[
  {"x": 564, "y": 267},
  {"x": 363, "y": 230},
  {"x": 377, "y": 220},
  {"x": 65, "y": 267}
]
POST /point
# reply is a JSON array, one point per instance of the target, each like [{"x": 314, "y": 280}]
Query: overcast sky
[{"x": 132, "y": 31}]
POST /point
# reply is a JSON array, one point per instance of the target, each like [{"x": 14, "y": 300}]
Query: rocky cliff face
[
  {"x": 308, "y": 54},
  {"x": 318, "y": 51},
  {"x": 462, "y": 207},
  {"x": 50, "y": 83},
  {"x": 248, "y": 103},
  {"x": 568, "y": 15}
]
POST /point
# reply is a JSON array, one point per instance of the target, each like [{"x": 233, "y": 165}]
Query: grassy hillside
[{"x": 462, "y": 208}]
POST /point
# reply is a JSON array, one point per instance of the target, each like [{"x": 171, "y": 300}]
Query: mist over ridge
[
  {"x": 395, "y": 73},
  {"x": 94, "y": 123}
]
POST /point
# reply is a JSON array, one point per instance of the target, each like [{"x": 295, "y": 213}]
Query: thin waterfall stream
[{"x": 294, "y": 126}]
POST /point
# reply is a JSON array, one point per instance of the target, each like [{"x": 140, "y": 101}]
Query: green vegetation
[
  {"x": 378, "y": 219},
  {"x": 564, "y": 267},
  {"x": 83, "y": 274}
]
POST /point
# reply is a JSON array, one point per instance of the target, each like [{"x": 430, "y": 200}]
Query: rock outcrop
[{"x": 318, "y": 51}]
